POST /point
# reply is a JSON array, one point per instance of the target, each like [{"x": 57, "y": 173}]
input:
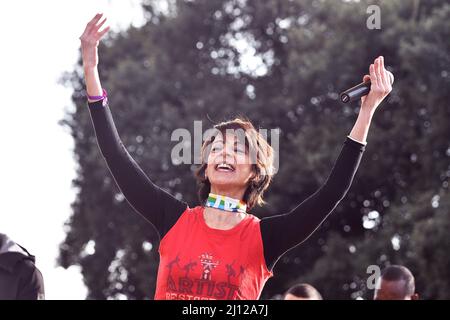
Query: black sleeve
[
  {"x": 31, "y": 283},
  {"x": 153, "y": 203},
  {"x": 283, "y": 232}
]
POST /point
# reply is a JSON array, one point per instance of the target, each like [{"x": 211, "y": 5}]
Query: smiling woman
[
  {"x": 236, "y": 155},
  {"x": 218, "y": 250}
]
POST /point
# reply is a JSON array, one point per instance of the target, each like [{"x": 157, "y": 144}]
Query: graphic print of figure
[
  {"x": 230, "y": 271},
  {"x": 241, "y": 271},
  {"x": 189, "y": 267},
  {"x": 207, "y": 262},
  {"x": 170, "y": 281},
  {"x": 172, "y": 263}
]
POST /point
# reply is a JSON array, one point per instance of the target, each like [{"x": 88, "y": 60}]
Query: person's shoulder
[
  {"x": 26, "y": 267},
  {"x": 10, "y": 261},
  {"x": 250, "y": 223},
  {"x": 193, "y": 210},
  {"x": 190, "y": 215},
  {"x": 28, "y": 270},
  {"x": 253, "y": 219},
  {"x": 32, "y": 281}
]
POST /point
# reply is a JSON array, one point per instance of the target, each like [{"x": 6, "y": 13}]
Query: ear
[{"x": 415, "y": 296}]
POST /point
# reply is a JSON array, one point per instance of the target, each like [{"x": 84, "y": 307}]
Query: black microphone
[{"x": 359, "y": 90}]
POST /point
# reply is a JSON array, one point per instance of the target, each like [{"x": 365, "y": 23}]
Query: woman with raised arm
[{"x": 218, "y": 250}]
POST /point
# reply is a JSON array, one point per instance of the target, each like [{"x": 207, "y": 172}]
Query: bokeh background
[{"x": 282, "y": 63}]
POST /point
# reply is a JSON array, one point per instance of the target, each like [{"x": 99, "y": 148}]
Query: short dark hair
[
  {"x": 304, "y": 290},
  {"x": 263, "y": 166},
  {"x": 400, "y": 273}
]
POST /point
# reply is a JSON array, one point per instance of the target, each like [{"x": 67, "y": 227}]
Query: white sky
[{"x": 39, "y": 41}]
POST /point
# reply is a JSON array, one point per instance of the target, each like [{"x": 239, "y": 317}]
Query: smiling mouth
[{"x": 224, "y": 167}]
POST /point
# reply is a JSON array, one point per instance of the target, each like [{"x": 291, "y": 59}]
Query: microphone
[{"x": 359, "y": 90}]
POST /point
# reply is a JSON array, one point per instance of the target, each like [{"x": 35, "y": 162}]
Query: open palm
[{"x": 90, "y": 40}]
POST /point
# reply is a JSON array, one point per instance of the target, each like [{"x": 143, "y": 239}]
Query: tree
[{"x": 191, "y": 64}]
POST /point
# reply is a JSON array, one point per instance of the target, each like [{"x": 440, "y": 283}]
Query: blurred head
[
  {"x": 396, "y": 283},
  {"x": 302, "y": 291},
  {"x": 236, "y": 159},
  {"x": 2, "y": 238}
]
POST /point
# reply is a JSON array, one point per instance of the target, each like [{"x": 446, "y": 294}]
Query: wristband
[{"x": 103, "y": 96}]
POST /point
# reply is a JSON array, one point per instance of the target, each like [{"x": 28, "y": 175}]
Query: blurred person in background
[
  {"x": 396, "y": 283},
  {"x": 20, "y": 279},
  {"x": 302, "y": 291}
]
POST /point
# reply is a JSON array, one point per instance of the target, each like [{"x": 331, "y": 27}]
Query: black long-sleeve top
[{"x": 279, "y": 233}]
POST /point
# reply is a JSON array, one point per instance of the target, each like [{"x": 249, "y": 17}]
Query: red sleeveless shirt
[{"x": 201, "y": 263}]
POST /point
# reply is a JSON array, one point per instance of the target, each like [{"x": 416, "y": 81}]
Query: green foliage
[{"x": 183, "y": 67}]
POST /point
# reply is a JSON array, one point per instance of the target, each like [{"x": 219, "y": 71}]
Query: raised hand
[
  {"x": 381, "y": 86},
  {"x": 90, "y": 40}
]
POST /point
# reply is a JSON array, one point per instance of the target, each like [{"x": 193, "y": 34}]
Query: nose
[{"x": 227, "y": 152}]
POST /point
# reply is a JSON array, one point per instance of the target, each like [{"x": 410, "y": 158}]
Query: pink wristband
[{"x": 105, "y": 94}]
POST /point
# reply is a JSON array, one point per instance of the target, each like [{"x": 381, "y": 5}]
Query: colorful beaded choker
[{"x": 226, "y": 203}]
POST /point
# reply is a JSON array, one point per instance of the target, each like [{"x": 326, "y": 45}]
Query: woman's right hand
[{"x": 90, "y": 40}]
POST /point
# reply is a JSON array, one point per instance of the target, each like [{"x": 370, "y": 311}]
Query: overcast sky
[{"x": 39, "y": 42}]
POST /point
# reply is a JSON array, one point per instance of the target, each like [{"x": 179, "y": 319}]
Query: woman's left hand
[{"x": 381, "y": 86}]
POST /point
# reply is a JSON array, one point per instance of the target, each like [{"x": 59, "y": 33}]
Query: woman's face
[{"x": 228, "y": 163}]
